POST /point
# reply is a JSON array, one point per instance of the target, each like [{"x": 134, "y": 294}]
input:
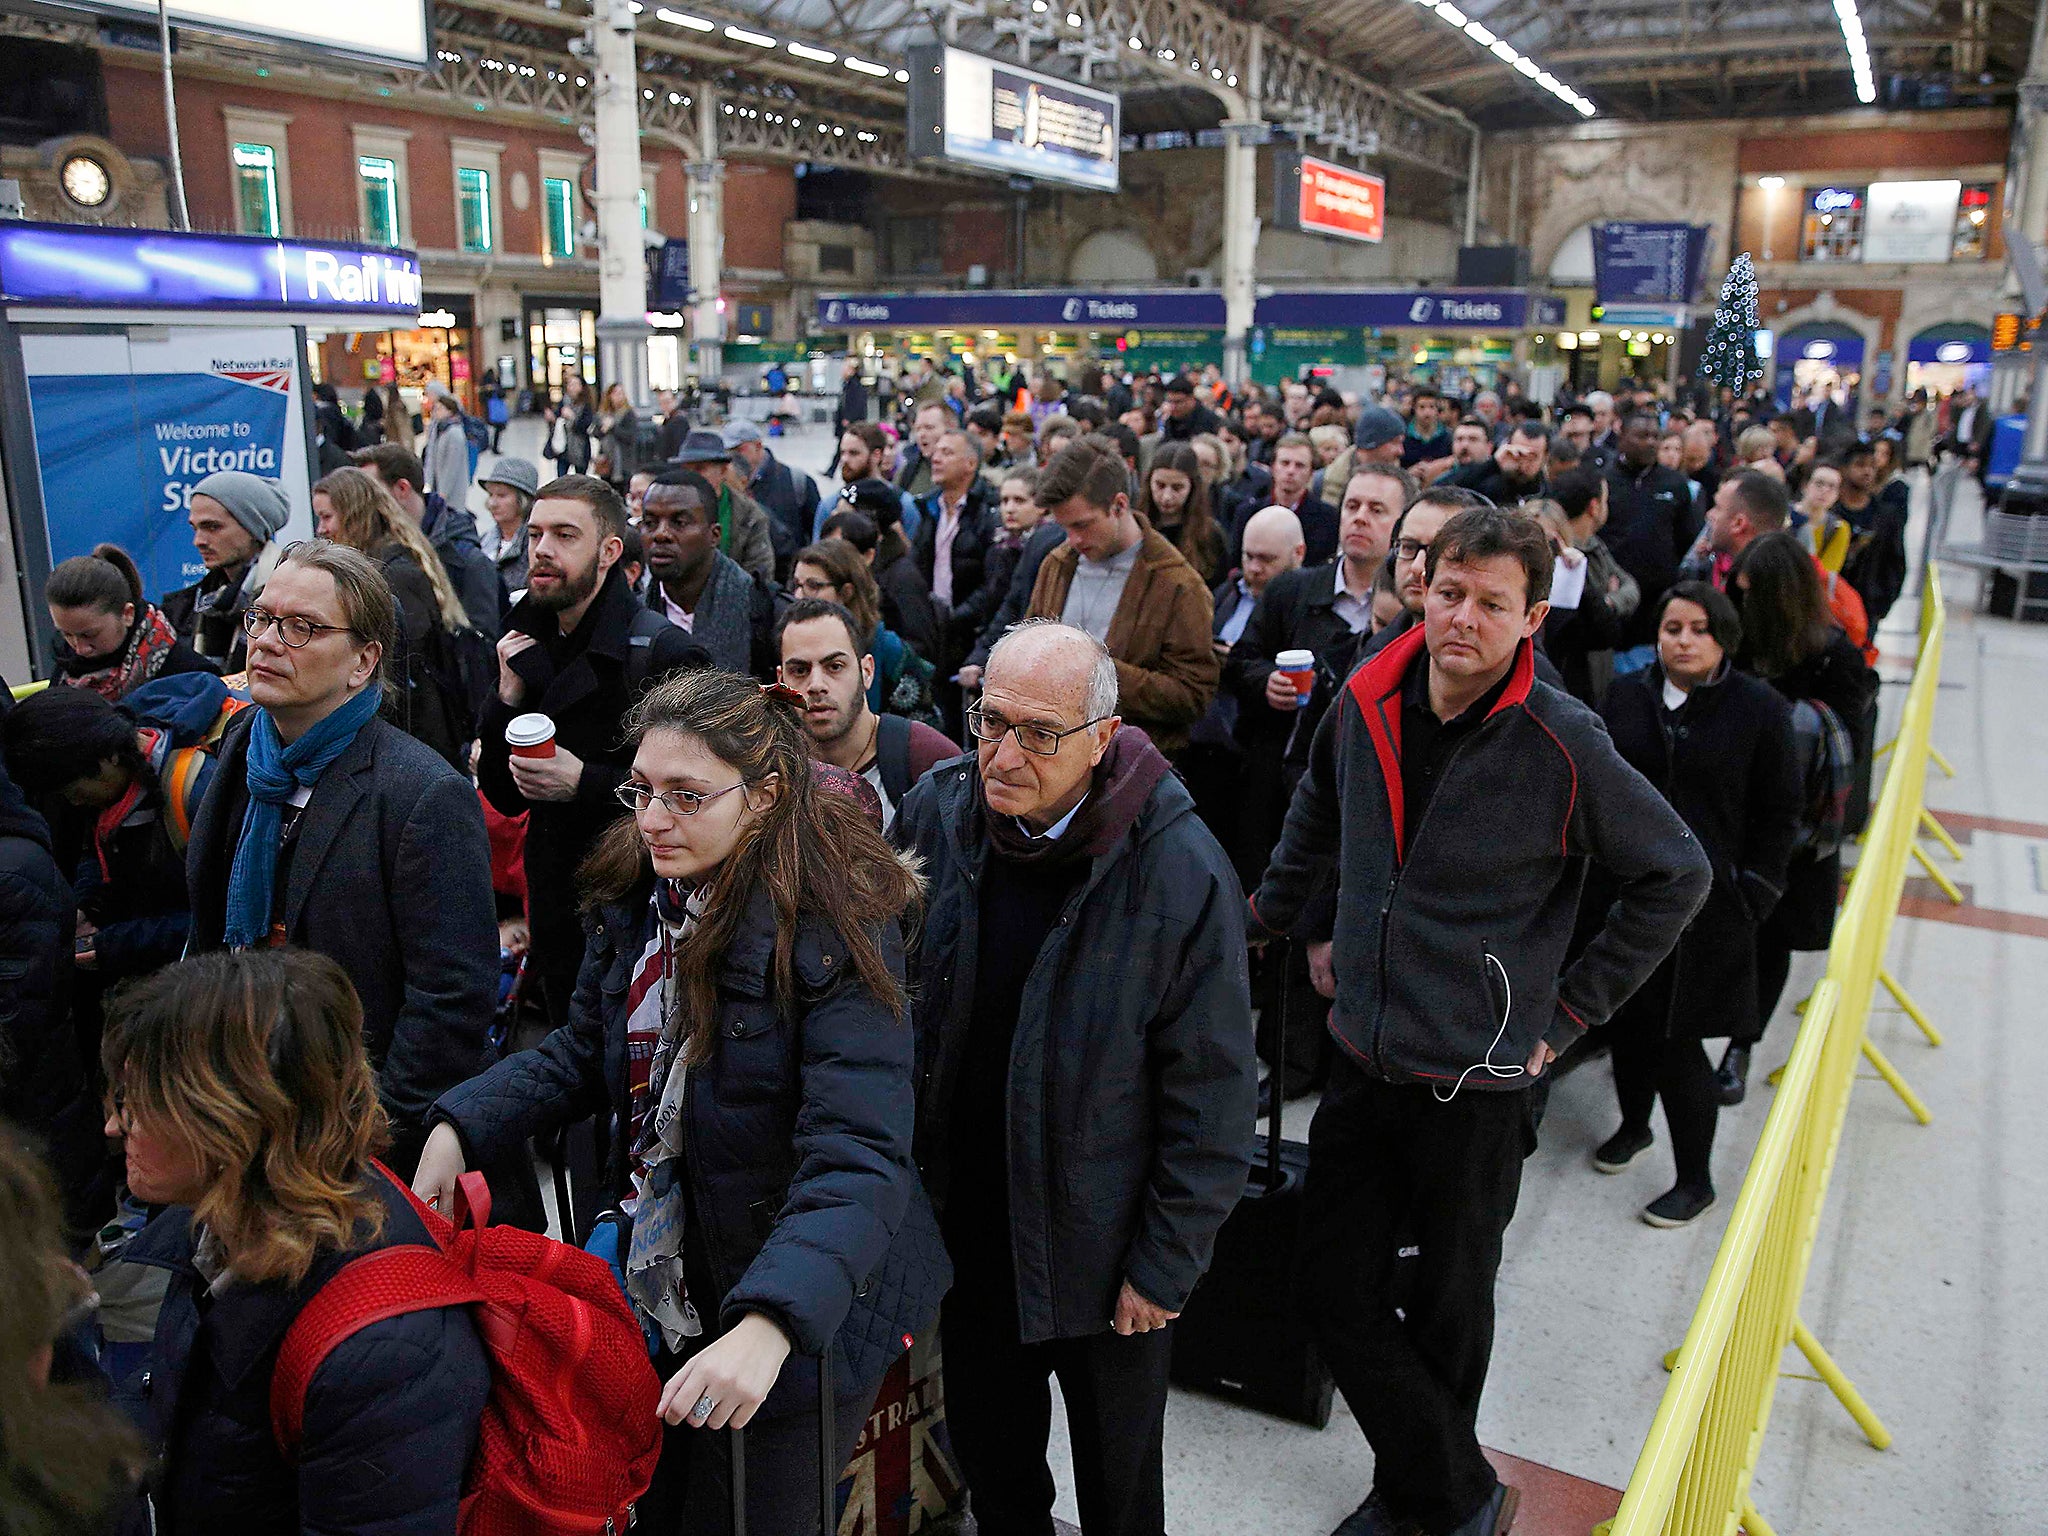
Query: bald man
[
  {"x": 1273, "y": 544},
  {"x": 1082, "y": 1132}
]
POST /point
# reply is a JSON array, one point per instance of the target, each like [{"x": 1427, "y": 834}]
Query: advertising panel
[
  {"x": 89, "y": 266},
  {"x": 1336, "y": 200},
  {"x": 1000, "y": 117},
  {"x": 125, "y": 426},
  {"x": 1910, "y": 220},
  {"x": 391, "y": 31}
]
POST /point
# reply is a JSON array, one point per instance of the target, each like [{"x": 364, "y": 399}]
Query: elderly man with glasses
[{"x": 1085, "y": 1114}]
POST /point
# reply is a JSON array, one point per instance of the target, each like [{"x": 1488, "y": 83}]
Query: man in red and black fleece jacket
[{"x": 1457, "y": 800}]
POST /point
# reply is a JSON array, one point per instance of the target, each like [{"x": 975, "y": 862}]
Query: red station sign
[{"x": 1336, "y": 200}]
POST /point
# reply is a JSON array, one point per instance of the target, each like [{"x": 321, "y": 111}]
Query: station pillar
[
  {"x": 622, "y": 329},
  {"x": 1240, "y": 242},
  {"x": 707, "y": 238}
]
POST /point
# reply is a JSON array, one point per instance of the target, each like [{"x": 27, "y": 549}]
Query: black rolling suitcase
[
  {"x": 828, "y": 1462},
  {"x": 1241, "y": 1335}
]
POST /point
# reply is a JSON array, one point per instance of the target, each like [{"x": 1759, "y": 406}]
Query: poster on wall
[
  {"x": 126, "y": 425},
  {"x": 1910, "y": 220}
]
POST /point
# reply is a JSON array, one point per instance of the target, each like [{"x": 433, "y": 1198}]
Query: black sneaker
[
  {"x": 1622, "y": 1148},
  {"x": 1679, "y": 1207},
  {"x": 1372, "y": 1518},
  {"x": 1731, "y": 1078}
]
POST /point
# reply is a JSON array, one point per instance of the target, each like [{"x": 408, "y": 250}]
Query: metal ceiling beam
[{"x": 1673, "y": 50}]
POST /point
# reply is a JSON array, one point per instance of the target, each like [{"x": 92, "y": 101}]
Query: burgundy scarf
[
  {"x": 147, "y": 649},
  {"x": 1123, "y": 782}
]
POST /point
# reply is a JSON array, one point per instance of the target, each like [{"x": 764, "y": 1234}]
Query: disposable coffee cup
[
  {"x": 1299, "y": 668},
  {"x": 531, "y": 736}
]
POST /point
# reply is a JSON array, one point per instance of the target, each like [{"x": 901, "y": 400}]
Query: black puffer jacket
[
  {"x": 1725, "y": 761},
  {"x": 798, "y": 1134},
  {"x": 390, "y": 1421},
  {"x": 1132, "y": 1077}
]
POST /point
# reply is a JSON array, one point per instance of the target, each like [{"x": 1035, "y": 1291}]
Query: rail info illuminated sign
[
  {"x": 982, "y": 112},
  {"x": 76, "y": 265}
]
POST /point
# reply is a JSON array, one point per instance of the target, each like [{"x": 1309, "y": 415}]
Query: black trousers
[
  {"x": 999, "y": 1409},
  {"x": 1389, "y": 1164},
  {"x": 1773, "y": 969},
  {"x": 1649, "y": 1065}
]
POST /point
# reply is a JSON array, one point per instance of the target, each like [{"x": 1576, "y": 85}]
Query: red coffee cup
[
  {"x": 1299, "y": 668},
  {"x": 531, "y": 736}
]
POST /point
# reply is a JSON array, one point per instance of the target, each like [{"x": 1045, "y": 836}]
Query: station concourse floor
[{"x": 1929, "y": 1283}]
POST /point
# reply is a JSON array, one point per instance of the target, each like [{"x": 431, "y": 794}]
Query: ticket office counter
[{"x": 134, "y": 363}]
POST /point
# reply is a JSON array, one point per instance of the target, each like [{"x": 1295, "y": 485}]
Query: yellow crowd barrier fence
[{"x": 1694, "y": 1474}]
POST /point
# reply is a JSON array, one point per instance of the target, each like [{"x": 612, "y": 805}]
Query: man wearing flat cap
[
  {"x": 235, "y": 518},
  {"x": 789, "y": 497},
  {"x": 743, "y": 533}
]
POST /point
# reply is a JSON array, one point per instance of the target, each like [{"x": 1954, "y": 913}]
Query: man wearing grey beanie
[{"x": 235, "y": 518}]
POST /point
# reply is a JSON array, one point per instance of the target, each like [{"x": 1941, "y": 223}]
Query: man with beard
[
  {"x": 579, "y": 649},
  {"x": 863, "y": 455},
  {"x": 696, "y": 586},
  {"x": 823, "y": 658},
  {"x": 235, "y": 518}
]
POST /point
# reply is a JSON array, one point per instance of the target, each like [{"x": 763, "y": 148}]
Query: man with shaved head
[
  {"x": 1272, "y": 545},
  {"x": 1084, "y": 1115}
]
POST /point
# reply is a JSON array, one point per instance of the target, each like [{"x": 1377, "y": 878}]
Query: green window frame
[
  {"x": 378, "y": 175},
  {"x": 558, "y": 200},
  {"x": 473, "y": 209},
  {"x": 646, "y": 211},
  {"x": 255, "y": 167}
]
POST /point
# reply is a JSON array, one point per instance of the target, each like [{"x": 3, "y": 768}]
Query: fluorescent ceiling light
[
  {"x": 862, "y": 66},
  {"x": 742, "y": 35},
  {"x": 815, "y": 55},
  {"x": 678, "y": 19}
]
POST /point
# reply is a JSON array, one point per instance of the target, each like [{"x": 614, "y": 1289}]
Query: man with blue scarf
[{"x": 328, "y": 827}]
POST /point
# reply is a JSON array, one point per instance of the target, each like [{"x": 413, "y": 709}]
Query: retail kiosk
[{"x": 134, "y": 363}]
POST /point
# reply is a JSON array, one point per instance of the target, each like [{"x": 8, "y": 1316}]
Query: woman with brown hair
[
  {"x": 1791, "y": 641},
  {"x": 617, "y": 433},
  {"x": 740, "y": 1014},
  {"x": 1176, "y": 502},
  {"x": 838, "y": 572},
  {"x": 68, "y": 1464},
  {"x": 110, "y": 637},
  {"x": 352, "y": 509},
  {"x": 239, "y": 1087}
]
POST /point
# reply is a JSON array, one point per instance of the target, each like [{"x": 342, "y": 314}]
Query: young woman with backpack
[
  {"x": 1791, "y": 641},
  {"x": 1718, "y": 745},
  {"x": 240, "y": 1091},
  {"x": 436, "y": 704},
  {"x": 741, "y": 1017}
]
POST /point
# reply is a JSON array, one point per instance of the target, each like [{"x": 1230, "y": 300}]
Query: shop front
[
  {"x": 561, "y": 339},
  {"x": 1820, "y": 355},
  {"x": 439, "y": 350},
  {"x": 1945, "y": 358},
  {"x": 1457, "y": 338},
  {"x": 998, "y": 330}
]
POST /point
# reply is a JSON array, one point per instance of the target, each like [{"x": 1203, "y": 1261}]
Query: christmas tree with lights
[{"x": 1729, "y": 357}]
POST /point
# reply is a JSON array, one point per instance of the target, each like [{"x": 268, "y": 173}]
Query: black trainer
[
  {"x": 1731, "y": 1078},
  {"x": 1622, "y": 1148},
  {"x": 1680, "y": 1206},
  {"x": 1372, "y": 1518}
]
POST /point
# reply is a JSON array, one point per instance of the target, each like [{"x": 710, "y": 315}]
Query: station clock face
[{"x": 86, "y": 181}]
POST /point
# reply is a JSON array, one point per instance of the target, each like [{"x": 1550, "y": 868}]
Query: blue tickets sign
[
  {"x": 1173, "y": 308},
  {"x": 1433, "y": 309},
  {"x": 1645, "y": 263}
]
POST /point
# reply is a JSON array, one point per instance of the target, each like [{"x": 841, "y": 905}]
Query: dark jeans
[
  {"x": 1648, "y": 1066},
  {"x": 999, "y": 1408},
  {"x": 1388, "y": 1164}
]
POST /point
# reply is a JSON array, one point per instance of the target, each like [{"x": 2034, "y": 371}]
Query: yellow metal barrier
[{"x": 1693, "y": 1476}]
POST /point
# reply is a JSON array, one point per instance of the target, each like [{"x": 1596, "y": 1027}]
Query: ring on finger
[{"x": 703, "y": 1408}]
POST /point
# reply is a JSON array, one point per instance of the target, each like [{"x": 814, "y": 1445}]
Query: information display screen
[
  {"x": 393, "y": 31},
  {"x": 981, "y": 112}
]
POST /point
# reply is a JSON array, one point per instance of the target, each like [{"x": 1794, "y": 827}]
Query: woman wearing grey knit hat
[{"x": 235, "y": 518}]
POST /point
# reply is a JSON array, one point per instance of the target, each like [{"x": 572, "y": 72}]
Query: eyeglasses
[
  {"x": 291, "y": 629},
  {"x": 1040, "y": 740},
  {"x": 677, "y": 802},
  {"x": 814, "y": 588},
  {"x": 1407, "y": 549}
]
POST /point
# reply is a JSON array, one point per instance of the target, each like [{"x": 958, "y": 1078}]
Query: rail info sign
[
  {"x": 1320, "y": 198},
  {"x": 1000, "y": 117}
]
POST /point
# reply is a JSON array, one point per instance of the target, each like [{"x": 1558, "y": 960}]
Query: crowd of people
[{"x": 880, "y": 896}]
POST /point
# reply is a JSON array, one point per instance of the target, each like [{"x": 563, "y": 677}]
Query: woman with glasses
[
  {"x": 838, "y": 573},
  {"x": 245, "y": 1106},
  {"x": 740, "y": 1017}
]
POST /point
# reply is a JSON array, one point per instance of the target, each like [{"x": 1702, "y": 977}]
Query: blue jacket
[
  {"x": 798, "y": 1128},
  {"x": 391, "y": 1417}
]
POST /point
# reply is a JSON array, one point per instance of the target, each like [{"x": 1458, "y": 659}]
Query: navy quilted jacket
[{"x": 798, "y": 1128}]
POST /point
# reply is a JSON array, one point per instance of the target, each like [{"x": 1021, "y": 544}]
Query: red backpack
[{"x": 570, "y": 1435}]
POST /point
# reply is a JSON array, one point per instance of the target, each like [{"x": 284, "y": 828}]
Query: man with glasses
[
  {"x": 1084, "y": 1123},
  {"x": 327, "y": 826},
  {"x": 580, "y": 649}
]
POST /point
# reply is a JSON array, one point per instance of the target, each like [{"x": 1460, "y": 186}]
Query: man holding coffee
[{"x": 577, "y": 651}]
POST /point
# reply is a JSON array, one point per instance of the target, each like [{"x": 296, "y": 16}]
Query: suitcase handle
[
  {"x": 828, "y": 1456},
  {"x": 1279, "y": 1079}
]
